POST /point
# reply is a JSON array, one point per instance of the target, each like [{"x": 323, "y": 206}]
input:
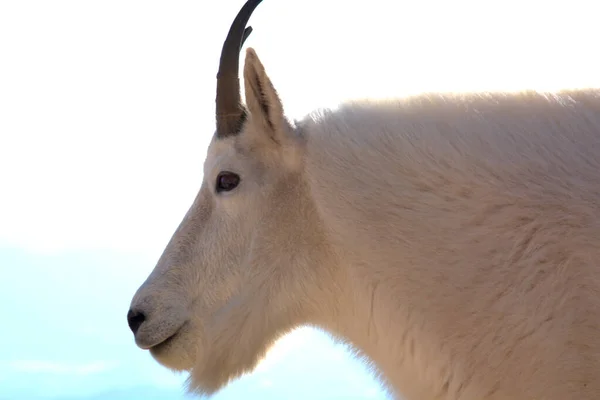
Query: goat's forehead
[{"x": 218, "y": 150}]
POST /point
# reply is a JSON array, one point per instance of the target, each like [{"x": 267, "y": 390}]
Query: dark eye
[{"x": 227, "y": 181}]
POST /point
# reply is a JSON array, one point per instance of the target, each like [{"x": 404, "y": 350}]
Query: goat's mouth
[
  {"x": 156, "y": 344},
  {"x": 171, "y": 340},
  {"x": 165, "y": 343},
  {"x": 175, "y": 352}
]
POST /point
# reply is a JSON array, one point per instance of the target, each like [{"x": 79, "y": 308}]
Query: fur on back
[{"x": 469, "y": 227}]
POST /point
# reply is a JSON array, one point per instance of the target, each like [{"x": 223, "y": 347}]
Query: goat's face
[
  {"x": 239, "y": 227},
  {"x": 237, "y": 245}
]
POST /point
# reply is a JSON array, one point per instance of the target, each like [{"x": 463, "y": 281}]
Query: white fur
[{"x": 452, "y": 240}]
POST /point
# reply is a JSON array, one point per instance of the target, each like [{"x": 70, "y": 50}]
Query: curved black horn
[{"x": 229, "y": 108}]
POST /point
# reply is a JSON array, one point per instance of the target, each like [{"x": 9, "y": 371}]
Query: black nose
[{"x": 135, "y": 319}]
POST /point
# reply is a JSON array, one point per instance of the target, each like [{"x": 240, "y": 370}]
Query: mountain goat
[{"x": 453, "y": 240}]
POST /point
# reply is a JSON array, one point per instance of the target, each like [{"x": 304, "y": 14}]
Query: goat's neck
[{"x": 379, "y": 330}]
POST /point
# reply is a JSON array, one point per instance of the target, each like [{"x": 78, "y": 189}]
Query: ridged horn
[{"x": 229, "y": 108}]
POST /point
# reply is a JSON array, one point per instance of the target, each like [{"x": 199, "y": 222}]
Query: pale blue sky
[{"x": 106, "y": 109}]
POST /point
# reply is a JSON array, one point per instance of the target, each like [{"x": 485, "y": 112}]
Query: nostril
[{"x": 135, "y": 319}]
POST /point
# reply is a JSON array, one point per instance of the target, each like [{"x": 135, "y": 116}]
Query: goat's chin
[
  {"x": 177, "y": 353},
  {"x": 227, "y": 352},
  {"x": 207, "y": 378}
]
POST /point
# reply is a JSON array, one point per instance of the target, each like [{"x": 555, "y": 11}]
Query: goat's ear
[{"x": 262, "y": 100}]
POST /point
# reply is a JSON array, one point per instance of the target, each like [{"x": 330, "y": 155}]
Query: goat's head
[{"x": 230, "y": 279}]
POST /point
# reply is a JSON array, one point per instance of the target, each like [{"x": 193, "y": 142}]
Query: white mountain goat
[{"x": 453, "y": 240}]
